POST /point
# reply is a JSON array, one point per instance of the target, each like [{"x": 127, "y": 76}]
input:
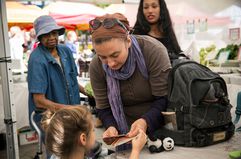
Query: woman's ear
[
  {"x": 82, "y": 139},
  {"x": 128, "y": 41}
]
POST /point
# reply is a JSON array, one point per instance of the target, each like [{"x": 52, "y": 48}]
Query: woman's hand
[
  {"x": 137, "y": 144},
  {"x": 111, "y": 131},
  {"x": 138, "y": 124}
]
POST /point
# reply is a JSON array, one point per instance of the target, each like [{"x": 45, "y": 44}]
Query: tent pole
[{"x": 7, "y": 87}]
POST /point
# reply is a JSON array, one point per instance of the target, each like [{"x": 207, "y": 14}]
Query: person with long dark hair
[{"x": 153, "y": 19}]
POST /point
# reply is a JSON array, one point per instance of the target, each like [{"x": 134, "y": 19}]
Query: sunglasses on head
[{"x": 107, "y": 23}]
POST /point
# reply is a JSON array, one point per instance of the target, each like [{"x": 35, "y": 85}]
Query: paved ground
[{"x": 219, "y": 151}]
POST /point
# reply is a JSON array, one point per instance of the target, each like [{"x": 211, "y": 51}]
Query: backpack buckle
[
  {"x": 238, "y": 111},
  {"x": 184, "y": 109}
]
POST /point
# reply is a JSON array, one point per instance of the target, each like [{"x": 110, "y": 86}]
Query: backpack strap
[
  {"x": 238, "y": 110},
  {"x": 238, "y": 129}
]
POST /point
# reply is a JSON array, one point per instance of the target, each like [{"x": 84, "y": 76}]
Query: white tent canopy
[
  {"x": 234, "y": 12},
  {"x": 182, "y": 12},
  {"x": 129, "y": 10},
  {"x": 70, "y": 8},
  {"x": 19, "y": 13},
  {"x": 184, "y": 9}
]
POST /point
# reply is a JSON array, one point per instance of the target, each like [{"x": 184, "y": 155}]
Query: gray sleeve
[
  {"x": 158, "y": 65},
  {"x": 98, "y": 83}
]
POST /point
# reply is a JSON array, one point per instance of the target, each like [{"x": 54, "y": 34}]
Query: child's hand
[
  {"x": 137, "y": 144},
  {"x": 139, "y": 141}
]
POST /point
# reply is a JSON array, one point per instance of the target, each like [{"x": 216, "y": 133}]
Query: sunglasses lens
[
  {"x": 108, "y": 23},
  {"x": 95, "y": 24}
]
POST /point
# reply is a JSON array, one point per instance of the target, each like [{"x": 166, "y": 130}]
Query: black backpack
[{"x": 198, "y": 97}]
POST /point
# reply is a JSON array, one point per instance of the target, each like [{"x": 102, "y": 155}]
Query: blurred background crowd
[{"x": 204, "y": 30}]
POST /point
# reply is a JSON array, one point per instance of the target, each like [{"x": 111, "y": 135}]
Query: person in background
[
  {"x": 33, "y": 42},
  {"x": 71, "y": 38},
  {"x": 153, "y": 19},
  {"x": 128, "y": 77},
  {"x": 52, "y": 74},
  {"x": 26, "y": 43},
  {"x": 70, "y": 133},
  {"x": 30, "y": 43},
  {"x": 16, "y": 41}
]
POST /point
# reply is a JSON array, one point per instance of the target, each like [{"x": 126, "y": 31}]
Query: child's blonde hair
[{"x": 62, "y": 129}]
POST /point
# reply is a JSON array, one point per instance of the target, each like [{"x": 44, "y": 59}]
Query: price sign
[{"x": 234, "y": 34}]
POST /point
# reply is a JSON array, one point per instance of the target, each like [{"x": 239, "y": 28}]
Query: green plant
[{"x": 232, "y": 49}]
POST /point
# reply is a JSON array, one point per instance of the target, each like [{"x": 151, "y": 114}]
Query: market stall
[
  {"x": 72, "y": 22},
  {"x": 73, "y": 15},
  {"x": 22, "y": 15},
  {"x": 77, "y": 18}
]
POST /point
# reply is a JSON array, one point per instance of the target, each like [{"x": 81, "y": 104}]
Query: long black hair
[{"x": 142, "y": 26}]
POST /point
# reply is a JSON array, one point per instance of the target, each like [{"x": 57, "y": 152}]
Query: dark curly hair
[{"x": 142, "y": 27}]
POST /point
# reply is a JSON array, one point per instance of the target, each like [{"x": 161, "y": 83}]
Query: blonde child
[{"x": 70, "y": 133}]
